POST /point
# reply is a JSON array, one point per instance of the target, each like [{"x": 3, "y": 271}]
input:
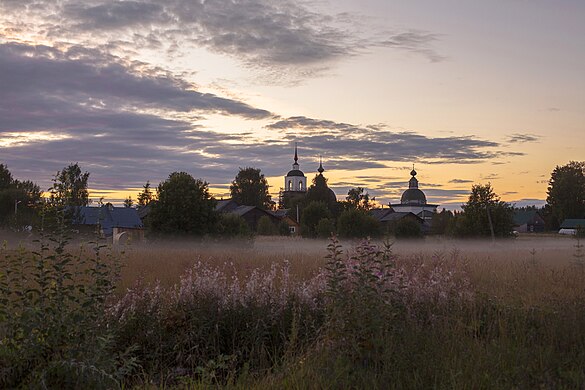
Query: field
[{"x": 298, "y": 313}]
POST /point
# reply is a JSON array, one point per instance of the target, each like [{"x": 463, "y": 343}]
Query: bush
[
  {"x": 408, "y": 228},
  {"x": 313, "y": 213},
  {"x": 325, "y": 228},
  {"x": 266, "y": 227},
  {"x": 232, "y": 225},
  {"x": 52, "y": 329},
  {"x": 358, "y": 224}
]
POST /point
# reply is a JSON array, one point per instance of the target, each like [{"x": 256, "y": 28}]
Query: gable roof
[
  {"x": 398, "y": 215},
  {"x": 379, "y": 214},
  {"x": 108, "y": 217},
  {"x": 226, "y": 205},
  {"x": 573, "y": 223},
  {"x": 524, "y": 216}
]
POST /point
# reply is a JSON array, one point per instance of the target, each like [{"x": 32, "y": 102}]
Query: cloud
[
  {"x": 522, "y": 138},
  {"x": 460, "y": 181},
  {"x": 262, "y": 34},
  {"x": 363, "y": 144}
]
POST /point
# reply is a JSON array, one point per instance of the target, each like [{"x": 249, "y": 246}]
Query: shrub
[
  {"x": 52, "y": 333},
  {"x": 358, "y": 223},
  {"x": 325, "y": 228},
  {"x": 408, "y": 228},
  {"x": 266, "y": 227},
  {"x": 232, "y": 225}
]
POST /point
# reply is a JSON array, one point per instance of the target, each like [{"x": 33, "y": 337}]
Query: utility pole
[
  {"x": 16, "y": 202},
  {"x": 490, "y": 221}
]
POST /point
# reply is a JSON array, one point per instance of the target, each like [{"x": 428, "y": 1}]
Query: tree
[
  {"x": 319, "y": 191},
  {"x": 70, "y": 186},
  {"x": 358, "y": 223},
  {"x": 250, "y": 188},
  {"x": 312, "y": 214},
  {"x": 5, "y": 177},
  {"x": 184, "y": 206},
  {"x": 566, "y": 192},
  {"x": 146, "y": 196},
  {"x": 232, "y": 225},
  {"x": 441, "y": 222},
  {"x": 18, "y": 200},
  {"x": 485, "y": 214},
  {"x": 408, "y": 228},
  {"x": 325, "y": 228},
  {"x": 358, "y": 199},
  {"x": 128, "y": 202},
  {"x": 266, "y": 227}
]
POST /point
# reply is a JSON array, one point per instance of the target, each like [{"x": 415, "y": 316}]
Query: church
[
  {"x": 413, "y": 200},
  {"x": 295, "y": 189},
  {"x": 295, "y": 186}
]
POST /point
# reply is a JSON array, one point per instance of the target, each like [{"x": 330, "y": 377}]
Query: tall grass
[{"x": 294, "y": 314}]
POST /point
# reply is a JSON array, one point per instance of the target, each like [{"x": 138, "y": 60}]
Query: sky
[{"x": 470, "y": 92}]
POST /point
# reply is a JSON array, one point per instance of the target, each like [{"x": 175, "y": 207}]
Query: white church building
[{"x": 415, "y": 201}]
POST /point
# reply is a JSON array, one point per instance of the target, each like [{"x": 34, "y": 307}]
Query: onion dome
[{"x": 413, "y": 195}]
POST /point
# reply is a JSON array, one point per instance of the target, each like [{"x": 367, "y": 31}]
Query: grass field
[{"x": 291, "y": 313}]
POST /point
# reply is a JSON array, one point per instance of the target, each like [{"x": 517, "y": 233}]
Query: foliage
[
  {"x": 312, "y": 214},
  {"x": 19, "y": 201},
  {"x": 482, "y": 207},
  {"x": 146, "y": 195},
  {"x": 232, "y": 225},
  {"x": 283, "y": 228},
  {"x": 128, "y": 202},
  {"x": 319, "y": 191},
  {"x": 5, "y": 177},
  {"x": 266, "y": 227},
  {"x": 70, "y": 186},
  {"x": 250, "y": 188},
  {"x": 566, "y": 191},
  {"x": 213, "y": 315},
  {"x": 408, "y": 228},
  {"x": 441, "y": 222},
  {"x": 184, "y": 206},
  {"x": 358, "y": 223},
  {"x": 325, "y": 228},
  {"x": 359, "y": 199},
  {"x": 52, "y": 333}
]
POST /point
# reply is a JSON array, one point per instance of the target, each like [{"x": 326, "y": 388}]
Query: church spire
[
  {"x": 413, "y": 182},
  {"x": 321, "y": 169},
  {"x": 296, "y": 163}
]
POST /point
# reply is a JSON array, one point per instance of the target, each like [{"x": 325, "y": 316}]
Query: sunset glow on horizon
[{"x": 471, "y": 92}]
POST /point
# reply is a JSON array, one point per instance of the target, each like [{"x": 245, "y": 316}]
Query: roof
[
  {"x": 522, "y": 217},
  {"x": 295, "y": 172},
  {"x": 226, "y": 205},
  {"x": 397, "y": 216},
  {"x": 573, "y": 223},
  {"x": 280, "y": 213},
  {"x": 413, "y": 196},
  {"x": 241, "y": 210},
  {"x": 108, "y": 217},
  {"x": 380, "y": 213},
  {"x": 389, "y": 215}
]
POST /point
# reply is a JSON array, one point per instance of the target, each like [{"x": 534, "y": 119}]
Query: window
[
  {"x": 300, "y": 185},
  {"x": 292, "y": 229},
  {"x": 290, "y": 187}
]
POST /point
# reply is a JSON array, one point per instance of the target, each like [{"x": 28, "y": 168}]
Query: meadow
[{"x": 295, "y": 313}]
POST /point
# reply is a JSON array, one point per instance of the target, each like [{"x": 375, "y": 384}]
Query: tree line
[{"x": 182, "y": 204}]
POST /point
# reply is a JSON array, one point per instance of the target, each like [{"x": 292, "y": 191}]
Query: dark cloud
[
  {"x": 522, "y": 138},
  {"x": 41, "y": 76},
  {"x": 364, "y": 144},
  {"x": 460, "y": 181},
  {"x": 260, "y": 33}
]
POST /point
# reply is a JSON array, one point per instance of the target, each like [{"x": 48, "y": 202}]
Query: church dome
[
  {"x": 413, "y": 196},
  {"x": 295, "y": 172}
]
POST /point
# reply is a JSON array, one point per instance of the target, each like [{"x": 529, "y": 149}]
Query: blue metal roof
[{"x": 108, "y": 217}]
